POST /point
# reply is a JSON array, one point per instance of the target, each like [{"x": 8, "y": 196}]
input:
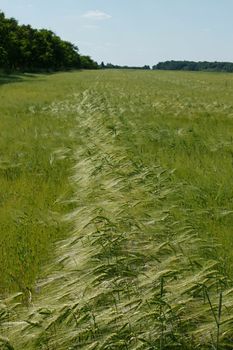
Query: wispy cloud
[{"x": 96, "y": 15}]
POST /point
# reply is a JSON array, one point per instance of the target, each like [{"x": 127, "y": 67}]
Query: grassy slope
[{"x": 133, "y": 274}]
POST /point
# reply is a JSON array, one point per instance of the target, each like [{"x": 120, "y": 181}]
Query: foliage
[
  {"x": 195, "y": 66},
  {"x": 87, "y": 63},
  {"x": 115, "y": 66},
  {"x": 23, "y": 48}
]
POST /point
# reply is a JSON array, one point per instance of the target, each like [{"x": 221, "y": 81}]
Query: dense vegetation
[
  {"x": 133, "y": 170},
  {"x": 33, "y": 175},
  {"x": 115, "y": 66},
  {"x": 23, "y": 48},
  {"x": 195, "y": 66}
]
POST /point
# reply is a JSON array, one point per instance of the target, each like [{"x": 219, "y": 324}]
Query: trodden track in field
[{"x": 142, "y": 267}]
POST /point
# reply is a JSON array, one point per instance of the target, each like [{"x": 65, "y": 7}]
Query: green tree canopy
[
  {"x": 195, "y": 66},
  {"x": 24, "y": 48}
]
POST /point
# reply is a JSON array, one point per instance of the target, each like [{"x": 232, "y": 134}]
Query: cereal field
[{"x": 116, "y": 210}]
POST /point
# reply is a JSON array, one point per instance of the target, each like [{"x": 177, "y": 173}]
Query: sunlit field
[{"x": 116, "y": 210}]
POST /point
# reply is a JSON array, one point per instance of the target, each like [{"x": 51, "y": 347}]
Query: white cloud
[{"x": 96, "y": 15}]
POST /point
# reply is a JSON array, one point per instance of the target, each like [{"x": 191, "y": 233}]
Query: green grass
[
  {"x": 188, "y": 126},
  {"x": 130, "y": 174},
  {"x": 34, "y": 168}
]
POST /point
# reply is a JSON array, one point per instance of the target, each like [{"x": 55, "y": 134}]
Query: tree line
[
  {"x": 115, "y": 66},
  {"x": 195, "y": 66},
  {"x": 23, "y": 48}
]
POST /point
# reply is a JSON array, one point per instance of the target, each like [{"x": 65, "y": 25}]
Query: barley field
[{"x": 116, "y": 205}]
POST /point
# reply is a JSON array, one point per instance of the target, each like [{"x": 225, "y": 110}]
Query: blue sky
[{"x": 135, "y": 32}]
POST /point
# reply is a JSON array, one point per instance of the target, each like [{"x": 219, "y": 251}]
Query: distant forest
[
  {"x": 179, "y": 65},
  {"x": 23, "y": 48},
  {"x": 195, "y": 66},
  {"x": 115, "y": 66}
]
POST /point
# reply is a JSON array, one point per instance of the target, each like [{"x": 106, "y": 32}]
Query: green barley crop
[{"x": 145, "y": 198}]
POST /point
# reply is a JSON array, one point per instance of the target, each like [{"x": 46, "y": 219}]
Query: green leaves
[{"x": 23, "y": 48}]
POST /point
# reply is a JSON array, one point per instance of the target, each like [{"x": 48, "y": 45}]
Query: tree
[
  {"x": 195, "y": 66},
  {"x": 24, "y": 48},
  {"x": 88, "y": 63}
]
